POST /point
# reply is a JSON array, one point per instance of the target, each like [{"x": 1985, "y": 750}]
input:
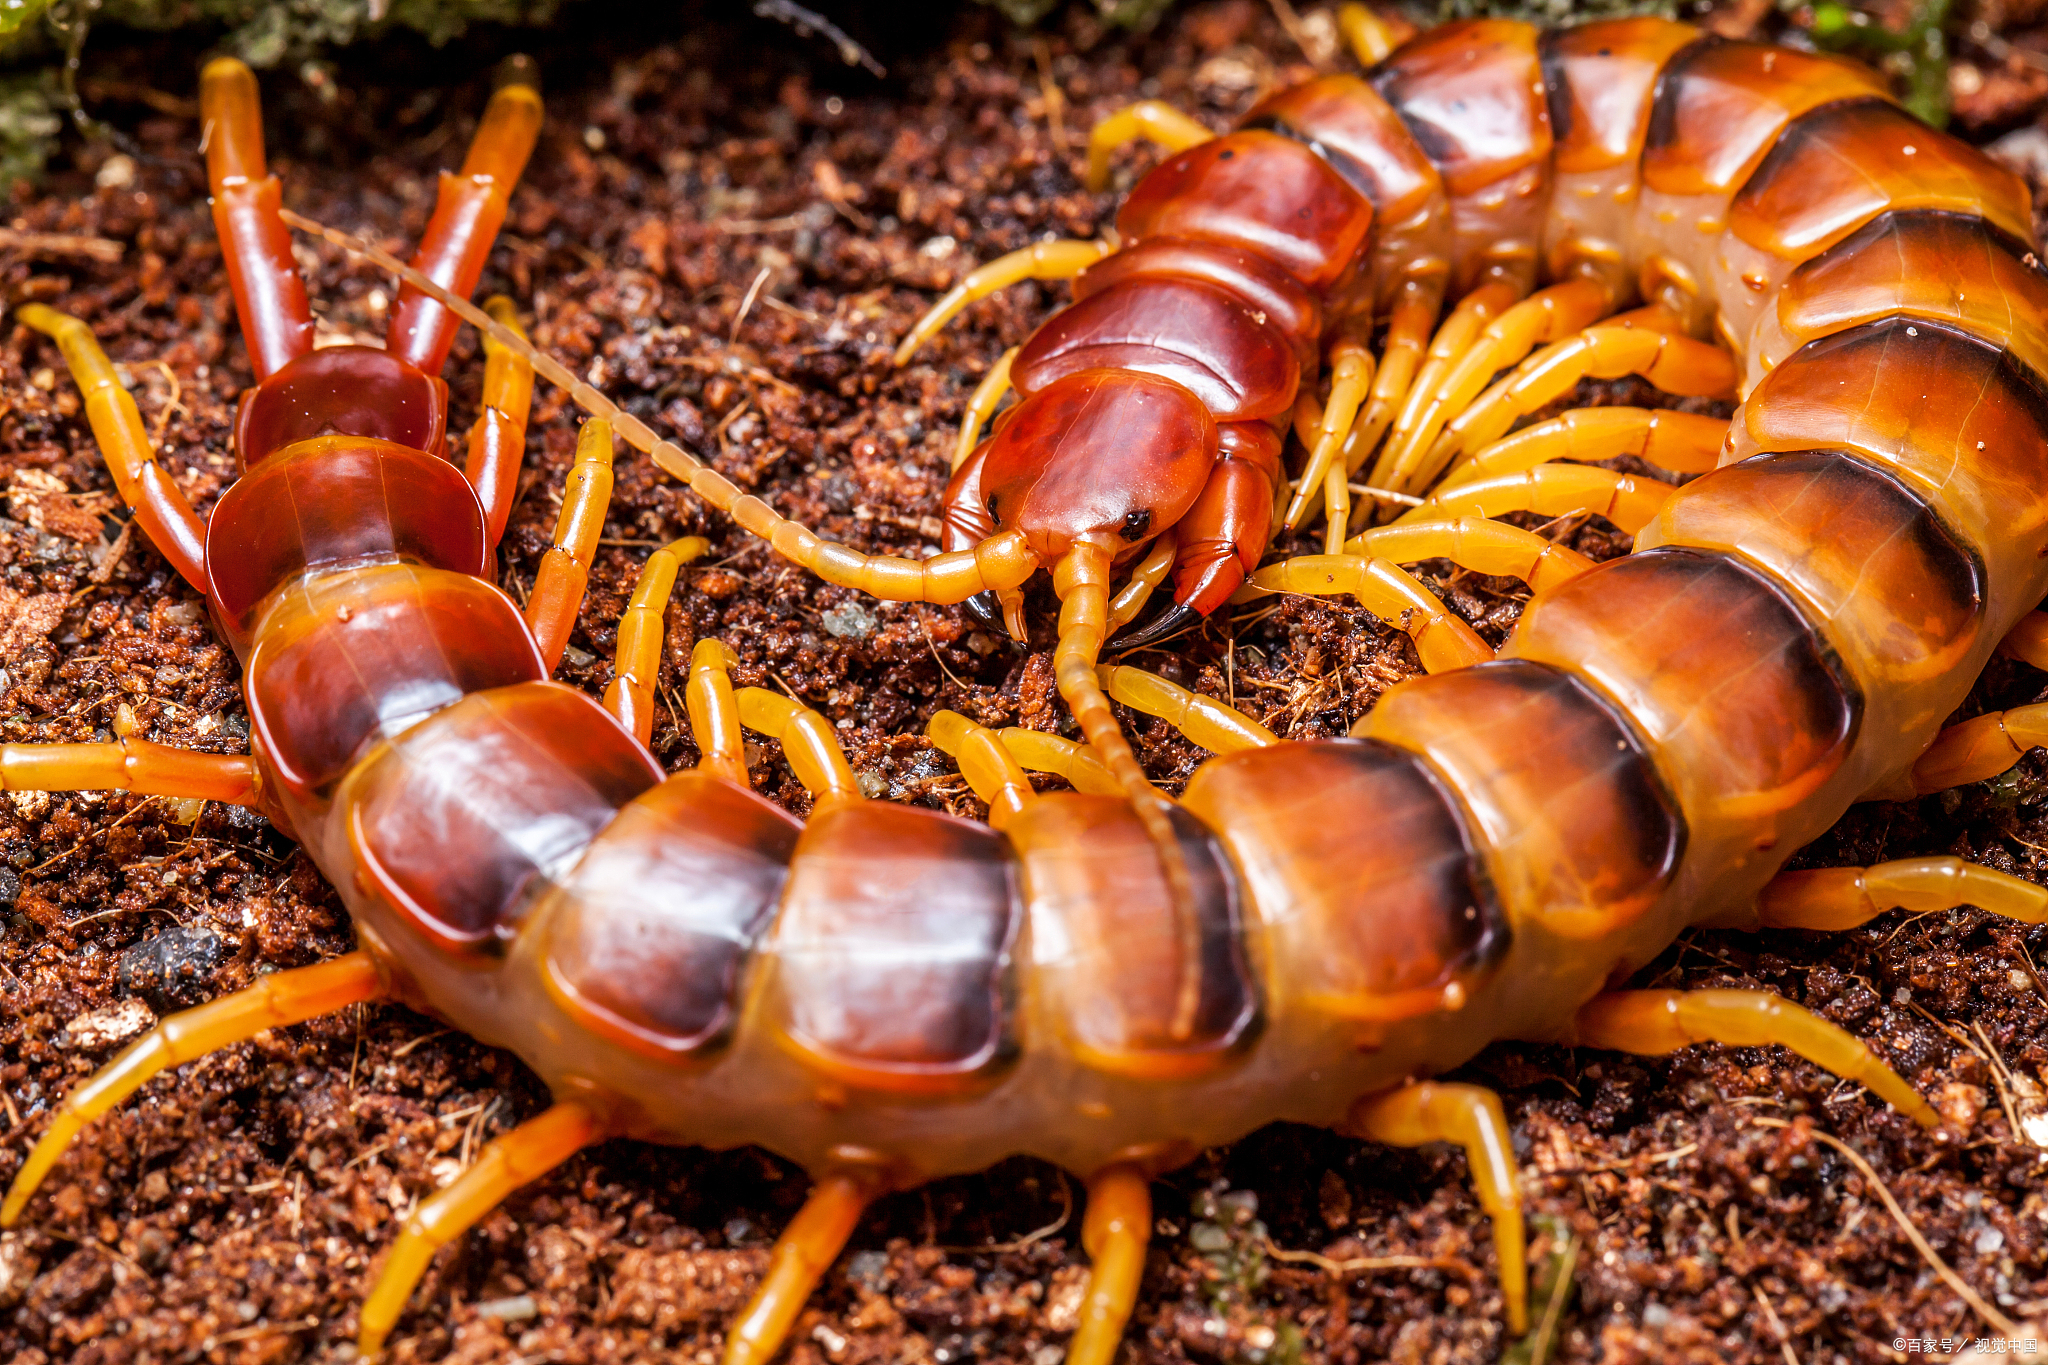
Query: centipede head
[{"x": 1098, "y": 452}]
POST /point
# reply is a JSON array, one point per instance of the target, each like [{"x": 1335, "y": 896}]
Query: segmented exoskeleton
[{"x": 1106, "y": 979}]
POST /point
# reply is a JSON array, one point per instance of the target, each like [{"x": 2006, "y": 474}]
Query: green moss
[
  {"x": 1121, "y": 13},
  {"x": 266, "y": 32}
]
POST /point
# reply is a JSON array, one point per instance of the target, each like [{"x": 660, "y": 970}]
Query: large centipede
[{"x": 1105, "y": 978}]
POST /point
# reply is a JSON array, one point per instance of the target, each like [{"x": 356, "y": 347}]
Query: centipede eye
[
  {"x": 992, "y": 506},
  {"x": 1137, "y": 523}
]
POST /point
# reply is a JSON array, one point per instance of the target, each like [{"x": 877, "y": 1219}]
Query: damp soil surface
[{"x": 728, "y": 230}]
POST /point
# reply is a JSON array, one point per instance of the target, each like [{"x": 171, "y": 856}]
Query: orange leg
[
  {"x": 159, "y": 506},
  {"x": 2028, "y": 641},
  {"x": 1554, "y": 490},
  {"x": 497, "y": 443},
  {"x": 1114, "y": 1233},
  {"x": 1152, "y": 120},
  {"x": 1368, "y": 37},
  {"x": 808, "y": 741},
  {"x": 1217, "y": 542},
  {"x": 131, "y": 765},
  {"x": 631, "y": 694},
  {"x": 1472, "y": 1118},
  {"x": 287, "y": 998},
  {"x": 270, "y": 298},
  {"x": 990, "y": 769},
  {"x": 1683, "y": 442},
  {"x": 715, "y": 712},
  {"x": 1442, "y": 641},
  {"x": 1652, "y": 1023},
  {"x": 806, "y": 1249},
  {"x": 1043, "y": 753},
  {"x": 1217, "y": 727},
  {"x": 1983, "y": 746},
  {"x": 1351, "y": 371},
  {"x": 1475, "y": 543},
  {"x": 1457, "y": 335},
  {"x": 565, "y": 569},
  {"x": 988, "y": 396},
  {"x": 1408, "y": 330},
  {"x": 467, "y": 216},
  {"x": 1837, "y": 898},
  {"x": 1145, "y": 579},
  {"x": 1061, "y": 260},
  {"x": 519, "y": 1158}
]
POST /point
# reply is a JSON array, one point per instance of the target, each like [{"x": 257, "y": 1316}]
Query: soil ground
[{"x": 728, "y": 231}]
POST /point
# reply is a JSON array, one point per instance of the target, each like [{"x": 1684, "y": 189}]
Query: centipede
[{"x": 1400, "y": 267}]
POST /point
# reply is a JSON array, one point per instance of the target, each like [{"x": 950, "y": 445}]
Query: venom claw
[
  {"x": 1176, "y": 618},
  {"x": 986, "y": 607}
]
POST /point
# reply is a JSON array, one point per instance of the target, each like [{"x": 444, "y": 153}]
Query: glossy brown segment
[
  {"x": 1109, "y": 947},
  {"x": 1945, "y": 267},
  {"x": 1901, "y": 596},
  {"x": 1372, "y": 900},
  {"x": 1576, "y": 829},
  {"x": 333, "y": 500},
  {"x": 1102, "y": 450},
  {"x": 649, "y": 935},
  {"x": 1959, "y": 418},
  {"x": 1600, "y": 79},
  {"x": 1240, "y": 365},
  {"x": 1720, "y": 105},
  {"x": 342, "y": 391},
  {"x": 1742, "y": 698},
  {"x": 1836, "y": 168},
  {"x": 1261, "y": 287},
  {"x": 461, "y": 822},
  {"x": 1259, "y": 192},
  {"x": 892, "y": 950}
]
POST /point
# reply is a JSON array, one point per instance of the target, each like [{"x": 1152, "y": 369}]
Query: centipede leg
[
  {"x": 808, "y": 742},
  {"x": 467, "y": 215},
  {"x": 1472, "y": 1118},
  {"x": 1652, "y": 1023},
  {"x": 1153, "y": 120},
  {"x": 497, "y": 443},
  {"x": 1683, "y": 442},
  {"x": 1971, "y": 751},
  {"x": 806, "y": 1249},
  {"x": 1451, "y": 341},
  {"x": 565, "y": 569},
  {"x": 715, "y": 712},
  {"x": 1442, "y": 641},
  {"x": 132, "y": 765},
  {"x": 1351, "y": 372},
  {"x": 287, "y": 998},
  {"x": 1478, "y": 544},
  {"x": 1838, "y": 898},
  {"x": 991, "y": 770},
  {"x": 1214, "y": 725},
  {"x": 987, "y": 397},
  {"x": 1674, "y": 363},
  {"x": 519, "y": 1158},
  {"x": 263, "y": 275},
  {"x": 1365, "y": 33},
  {"x": 1060, "y": 260},
  {"x": 1114, "y": 1232},
  {"x": 1553, "y": 490},
  {"x": 1145, "y": 579},
  {"x": 630, "y": 697},
  {"x": 1217, "y": 543},
  {"x": 159, "y": 505},
  {"x": 2028, "y": 641},
  {"x": 1043, "y": 753},
  {"x": 1407, "y": 340}
]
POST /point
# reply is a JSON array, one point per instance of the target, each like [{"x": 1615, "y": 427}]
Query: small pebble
[
  {"x": 518, "y": 1308},
  {"x": 173, "y": 969},
  {"x": 97, "y": 1030},
  {"x": 851, "y": 621}
]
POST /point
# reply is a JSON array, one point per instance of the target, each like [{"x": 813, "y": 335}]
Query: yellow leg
[
  {"x": 1837, "y": 898},
  {"x": 998, "y": 563},
  {"x": 1683, "y": 442},
  {"x": 1475, "y": 543},
  {"x": 630, "y": 696},
  {"x": 565, "y": 569},
  {"x": 130, "y": 765},
  {"x": 497, "y": 443},
  {"x": 1043, "y": 753},
  {"x": 1983, "y": 746},
  {"x": 988, "y": 396},
  {"x": 1457, "y": 335},
  {"x": 990, "y": 769},
  {"x": 1407, "y": 340},
  {"x": 160, "y": 507},
  {"x": 1060, "y": 260},
  {"x": 808, "y": 742},
  {"x": 1153, "y": 120},
  {"x": 804, "y": 1252},
  {"x": 1114, "y": 1233},
  {"x": 1675, "y": 364},
  {"x": 1217, "y": 727},
  {"x": 287, "y": 998},
  {"x": 715, "y": 712},
  {"x": 1144, "y": 581},
  {"x": 1551, "y": 490},
  {"x": 519, "y": 1158},
  {"x": 1442, "y": 641},
  {"x": 2028, "y": 641},
  {"x": 1365, "y": 33},
  {"x": 1545, "y": 316},
  {"x": 1351, "y": 371},
  {"x": 1472, "y": 1118},
  {"x": 1652, "y": 1023}
]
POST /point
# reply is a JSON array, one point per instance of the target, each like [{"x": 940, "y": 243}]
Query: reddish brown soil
[{"x": 235, "y": 1211}]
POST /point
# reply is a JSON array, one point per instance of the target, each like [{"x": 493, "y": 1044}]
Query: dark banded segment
[
  {"x": 1600, "y": 79},
  {"x": 1902, "y": 598},
  {"x": 1108, "y": 950},
  {"x": 1720, "y": 105},
  {"x": 1357, "y": 864},
  {"x": 892, "y": 949},
  {"x": 645, "y": 941},
  {"x": 1962, "y": 421},
  {"x": 1744, "y": 701},
  {"x": 1576, "y": 828}
]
